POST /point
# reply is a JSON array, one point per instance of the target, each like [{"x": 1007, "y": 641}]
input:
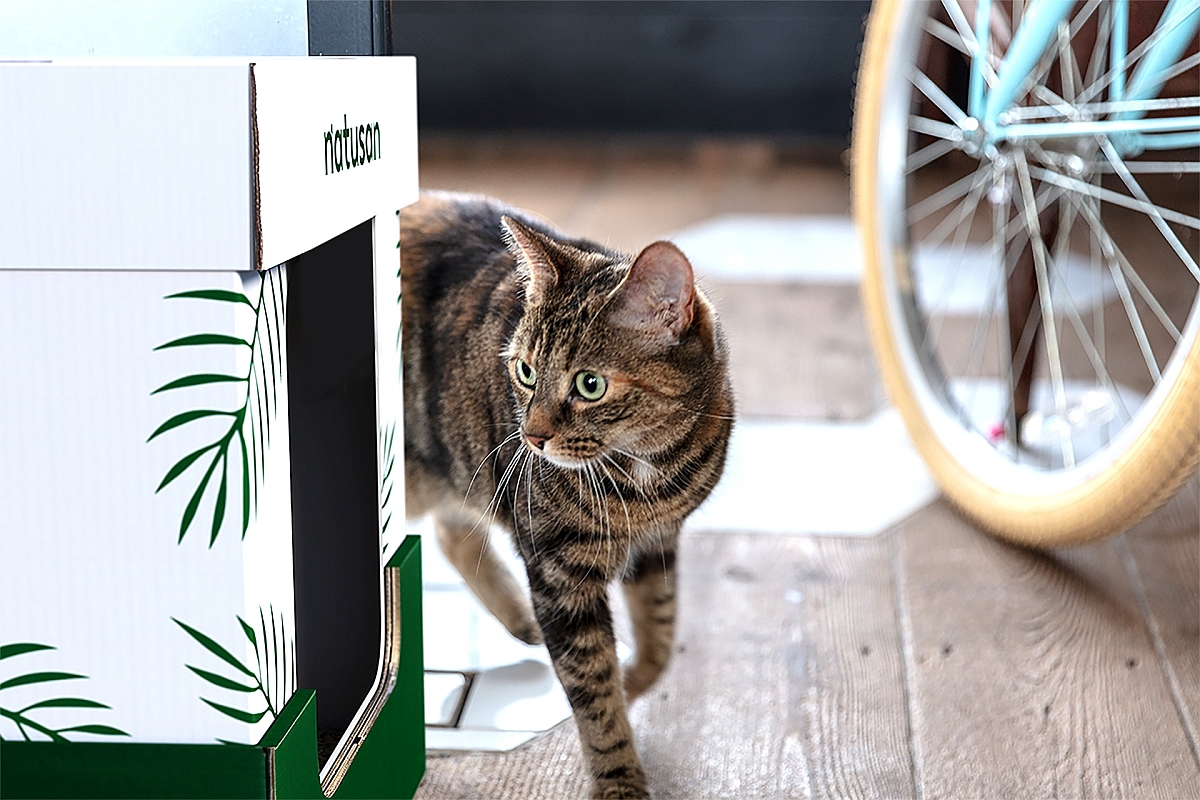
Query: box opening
[{"x": 335, "y": 516}]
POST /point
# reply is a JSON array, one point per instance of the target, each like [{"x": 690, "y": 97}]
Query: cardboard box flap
[
  {"x": 125, "y": 166},
  {"x": 336, "y": 142},
  {"x": 219, "y": 164}
]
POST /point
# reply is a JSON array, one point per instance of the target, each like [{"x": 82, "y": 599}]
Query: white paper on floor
[
  {"x": 964, "y": 281},
  {"x": 846, "y": 478},
  {"x": 756, "y": 247}
]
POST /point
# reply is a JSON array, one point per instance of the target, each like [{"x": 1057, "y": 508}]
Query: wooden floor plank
[
  {"x": 713, "y": 725},
  {"x": 1033, "y": 675},
  {"x": 786, "y": 683},
  {"x": 647, "y": 194},
  {"x": 1164, "y": 560},
  {"x": 820, "y": 365},
  {"x": 847, "y": 662},
  {"x": 788, "y": 680},
  {"x": 549, "y": 179}
]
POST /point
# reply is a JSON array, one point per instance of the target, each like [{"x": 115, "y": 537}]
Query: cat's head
[{"x": 610, "y": 351}]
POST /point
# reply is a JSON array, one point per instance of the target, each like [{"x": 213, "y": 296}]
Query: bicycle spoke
[
  {"x": 1154, "y": 211},
  {"x": 1098, "y": 324},
  {"x": 928, "y": 154},
  {"x": 1160, "y": 167},
  {"x": 1052, "y": 158},
  {"x": 940, "y": 198},
  {"x": 1100, "y": 193},
  {"x": 983, "y": 326},
  {"x": 1113, "y": 252},
  {"x": 1098, "y": 230},
  {"x": 1072, "y": 29},
  {"x": 1048, "y": 321},
  {"x": 946, "y": 34},
  {"x": 1116, "y": 269},
  {"x": 1099, "y": 56},
  {"x": 1067, "y": 71},
  {"x": 1015, "y": 239},
  {"x": 1061, "y": 248},
  {"x": 1040, "y": 257},
  {"x": 954, "y": 219},
  {"x": 965, "y": 30},
  {"x": 1093, "y": 354},
  {"x": 1131, "y": 58},
  {"x": 962, "y": 229},
  {"x": 947, "y": 226},
  {"x": 932, "y": 127},
  {"x": 1029, "y": 113},
  {"x": 937, "y": 96},
  {"x": 1009, "y": 412},
  {"x": 1015, "y": 364}
]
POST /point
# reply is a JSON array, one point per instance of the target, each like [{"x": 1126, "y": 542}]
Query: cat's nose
[{"x": 537, "y": 441}]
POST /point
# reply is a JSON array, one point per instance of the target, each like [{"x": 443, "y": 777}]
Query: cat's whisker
[
  {"x": 596, "y": 514},
  {"x": 516, "y": 487},
  {"x": 610, "y": 542},
  {"x": 632, "y": 482},
  {"x": 605, "y": 521},
  {"x": 495, "y": 450},
  {"x": 529, "y": 503},
  {"x": 699, "y": 413},
  {"x": 592, "y": 503},
  {"x": 638, "y": 459},
  {"x": 620, "y": 496},
  {"x": 494, "y": 504}
]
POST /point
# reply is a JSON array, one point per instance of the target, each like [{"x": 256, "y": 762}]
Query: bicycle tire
[{"x": 1158, "y": 459}]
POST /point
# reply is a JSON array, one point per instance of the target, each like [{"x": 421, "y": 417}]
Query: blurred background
[{"x": 737, "y": 67}]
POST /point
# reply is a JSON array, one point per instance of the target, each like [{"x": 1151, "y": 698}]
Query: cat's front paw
[
  {"x": 639, "y": 678},
  {"x": 528, "y": 631},
  {"x": 611, "y": 790}
]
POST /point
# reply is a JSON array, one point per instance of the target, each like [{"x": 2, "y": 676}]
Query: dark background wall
[{"x": 607, "y": 66}]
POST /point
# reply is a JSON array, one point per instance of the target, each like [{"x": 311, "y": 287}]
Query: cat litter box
[{"x": 201, "y": 444}]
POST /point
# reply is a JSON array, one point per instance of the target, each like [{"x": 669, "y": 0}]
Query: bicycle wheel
[{"x": 1032, "y": 301}]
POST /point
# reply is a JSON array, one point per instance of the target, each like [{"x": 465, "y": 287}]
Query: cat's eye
[
  {"x": 525, "y": 373},
  {"x": 590, "y": 385}
]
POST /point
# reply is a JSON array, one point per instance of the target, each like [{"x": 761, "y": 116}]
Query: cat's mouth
[
  {"x": 575, "y": 455},
  {"x": 566, "y": 463}
]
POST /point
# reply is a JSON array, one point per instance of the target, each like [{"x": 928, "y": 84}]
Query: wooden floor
[{"x": 930, "y": 661}]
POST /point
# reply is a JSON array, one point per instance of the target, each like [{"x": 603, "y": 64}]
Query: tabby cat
[{"x": 580, "y": 399}]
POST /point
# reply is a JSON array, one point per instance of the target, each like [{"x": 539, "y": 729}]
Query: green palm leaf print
[
  {"x": 248, "y": 435},
  {"x": 272, "y": 675},
  {"x": 21, "y": 716},
  {"x": 387, "y": 482}
]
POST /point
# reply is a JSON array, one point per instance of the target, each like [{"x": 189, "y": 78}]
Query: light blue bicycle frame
[{"x": 1126, "y": 124}]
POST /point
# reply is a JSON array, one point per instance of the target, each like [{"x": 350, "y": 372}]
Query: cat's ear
[
  {"x": 533, "y": 256},
  {"x": 658, "y": 295}
]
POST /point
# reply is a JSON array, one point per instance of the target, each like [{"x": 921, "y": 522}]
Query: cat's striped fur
[{"x": 591, "y": 491}]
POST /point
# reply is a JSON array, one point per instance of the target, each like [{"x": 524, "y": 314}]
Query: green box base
[{"x": 389, "y": 763}]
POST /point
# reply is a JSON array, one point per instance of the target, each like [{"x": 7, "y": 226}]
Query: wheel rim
[{"x": 1115, "y": 280}]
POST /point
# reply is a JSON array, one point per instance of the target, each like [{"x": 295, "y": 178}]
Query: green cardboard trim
[
  {"x": 290, "y": 745},
  {"x": 134, "y": 770},
  {"x": 389, "y": 763}
]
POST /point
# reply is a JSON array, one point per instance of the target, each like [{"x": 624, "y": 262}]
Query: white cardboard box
[{"x": 148, "y": 212}]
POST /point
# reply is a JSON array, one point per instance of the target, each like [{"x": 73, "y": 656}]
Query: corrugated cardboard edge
[
  {"x": 256, "y": 200},
  {"x": 343, "y": 756}
]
